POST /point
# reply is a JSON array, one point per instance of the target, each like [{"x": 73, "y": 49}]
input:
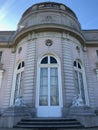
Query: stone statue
[
  {"x": 19, "y": 101},
  {"x": 78, "y": 101}
]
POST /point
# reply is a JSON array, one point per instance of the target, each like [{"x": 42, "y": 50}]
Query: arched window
[
  {"x": 19, "y": 80},
  {"x": 79, "y": 80},
  {"x": 49, "y": 82},
  {"x": 49, "y": 87}
]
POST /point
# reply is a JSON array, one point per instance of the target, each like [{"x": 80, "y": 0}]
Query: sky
[{"x": 12, "y": 10}]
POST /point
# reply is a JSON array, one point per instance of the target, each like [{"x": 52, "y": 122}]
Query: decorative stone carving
[
  {"x": 84, "y": 48},
  {"x": 78, "y": 101},
  {"x": 19, "y": 101},
  {"x": 29, "y": 37},
  {"x": 78, "y": 49},
  {"x": 65, "y": 36},
  {"x": 19, "y": 50},
  {"x": 33, "y": 36},
  {"x": 48, "y": 19},
  {"x": 13, "y": 50},
  {"x": 48, "y": 42}
]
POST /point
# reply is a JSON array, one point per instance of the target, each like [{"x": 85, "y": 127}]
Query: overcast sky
[{"x": 12, "y": 10}]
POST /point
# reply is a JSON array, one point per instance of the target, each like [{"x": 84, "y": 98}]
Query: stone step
[
  {"x": 49, "y": 126},
  {"x": 96, "y": 128},
  {"x": 49, "y": 123},
  {"x": 48, "y": 119}
]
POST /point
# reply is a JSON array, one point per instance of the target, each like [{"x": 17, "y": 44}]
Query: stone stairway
[
  {"x": 48, "y": 123},
  {"x": 96, "y": 128}
]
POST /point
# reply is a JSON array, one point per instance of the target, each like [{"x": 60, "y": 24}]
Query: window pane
[
  {"x": 19, "y": 66},
  {"x": 43, "y": 100},
  {"x": 22, "y": 63},
  {"x": 82, "y": 87},
  {"x": 54, "y": 72},
  {"x": 44, "y": 60},
  {"x": 21, "y": 84},
  {"x": 79, "y": 66},
  {"x": 54, "y": 91},
  {"x": 44, "y": 72},
  {"x": 17, "y": 86},
  {"x": 75, "y": 64},
  {"x": 43, "y": 94},
  {"x": 77, "y": 83},
  {"x": 53, "y": 60}
]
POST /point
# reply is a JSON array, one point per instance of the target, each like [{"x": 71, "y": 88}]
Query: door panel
[
  {"x": 49, "y": 92},
  {"x": 54, "y": 91},
  {"x": 43, "y": 91}
]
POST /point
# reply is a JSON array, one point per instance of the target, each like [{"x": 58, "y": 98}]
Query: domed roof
[
  {"x": 48, "y": 16},
  {"x": 49, "y": 13},
  {"x": 47, "y": 5}
]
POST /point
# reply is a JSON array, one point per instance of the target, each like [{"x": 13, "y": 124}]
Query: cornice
[
  {"x": 47, "y": 27},
  {"x": 91, "y": 43}
]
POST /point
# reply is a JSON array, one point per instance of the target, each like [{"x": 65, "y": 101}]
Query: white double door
[{"x": 49, "y": 94}]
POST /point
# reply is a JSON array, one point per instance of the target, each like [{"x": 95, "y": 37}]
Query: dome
[
  {"x": 47, "y": 5},
  {"x": 49, "y": 13},
  {"x": 48, "y": 16}
]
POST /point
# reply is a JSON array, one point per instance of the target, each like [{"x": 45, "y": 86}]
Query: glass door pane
[
  {"x": 54, "y": 91},
  {"x": 16, "y": 94},
  {"x": 77, "y": 83},
  {"x": 81, "y": 86},
  {"x": 21, "y": 84},
  {"x": 43, "y": 90}
]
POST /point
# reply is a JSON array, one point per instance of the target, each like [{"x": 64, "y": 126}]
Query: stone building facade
[{"x": 49, "y": 67}]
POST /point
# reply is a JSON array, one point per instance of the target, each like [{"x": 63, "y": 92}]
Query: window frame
[
  {"x": 39, "y": 65},
  {"x": 19, "y": 71},
  {"x": 80, "y": 86}
]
